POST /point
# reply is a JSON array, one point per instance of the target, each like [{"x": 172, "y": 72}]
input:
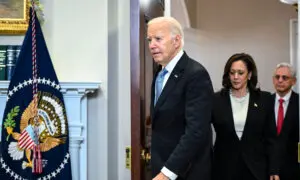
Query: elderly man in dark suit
[
  {"x": 286, "y": 114},
  {"x": 181, "y": 144}
]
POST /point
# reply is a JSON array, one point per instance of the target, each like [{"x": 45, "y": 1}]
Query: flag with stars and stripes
[{"x": 35, "y": 139}]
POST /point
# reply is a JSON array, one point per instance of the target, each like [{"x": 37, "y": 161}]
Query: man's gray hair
[
  {"x": 176, "y": 28},
  {"x": 288, "y": 65}
]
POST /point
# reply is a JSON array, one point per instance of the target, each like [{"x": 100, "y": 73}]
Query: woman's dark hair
[{"x": 251, "y": 67}]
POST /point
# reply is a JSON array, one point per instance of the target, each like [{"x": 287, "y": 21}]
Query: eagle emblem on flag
[{"x": 51, "y": 128}]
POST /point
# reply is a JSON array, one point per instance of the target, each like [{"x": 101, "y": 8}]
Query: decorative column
[{"x": 75, "y": 97}]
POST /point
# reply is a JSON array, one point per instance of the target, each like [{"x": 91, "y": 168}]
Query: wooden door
[{"x": 142, "y": 70}]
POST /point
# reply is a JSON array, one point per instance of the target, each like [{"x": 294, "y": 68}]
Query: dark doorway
[{"x": 142, "y": 70}]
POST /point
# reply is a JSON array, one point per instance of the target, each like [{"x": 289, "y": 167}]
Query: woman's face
[{"x": 239, "y": 75}]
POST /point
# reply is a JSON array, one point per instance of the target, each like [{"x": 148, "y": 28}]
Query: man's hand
[
  {"x": 161, "y": 176},
  {"x": 274, "y": 177}
]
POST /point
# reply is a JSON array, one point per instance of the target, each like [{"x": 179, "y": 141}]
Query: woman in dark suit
[{"x": 245, "y": 134}]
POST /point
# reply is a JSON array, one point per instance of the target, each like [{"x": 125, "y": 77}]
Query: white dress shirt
[
  {"x": 285, "y": 104},
  {"x": 239, "y": 111},
  {"x": 170, "y": 66}
]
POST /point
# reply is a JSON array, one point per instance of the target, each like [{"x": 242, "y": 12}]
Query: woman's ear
[{"x": 249, "y": 75}]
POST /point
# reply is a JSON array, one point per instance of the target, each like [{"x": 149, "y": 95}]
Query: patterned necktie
[
  {"x": 280, "y": 116},
  {"x": 159, "y": 83}
]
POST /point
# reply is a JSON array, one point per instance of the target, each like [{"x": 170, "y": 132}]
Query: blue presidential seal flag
[{"x": 35, "y": 141}]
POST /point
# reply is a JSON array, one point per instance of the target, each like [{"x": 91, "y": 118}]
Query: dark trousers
[
  {"x": 290, "y": 173},
  {"x": 243, "y": 172}
]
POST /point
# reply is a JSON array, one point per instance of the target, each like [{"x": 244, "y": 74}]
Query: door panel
[{"x": 142, "y": 70}]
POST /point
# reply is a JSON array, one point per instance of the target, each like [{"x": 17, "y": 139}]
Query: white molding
[
  {"x": 294, "y": 48},
  {"x": 291, "y": 2},
  {"x": 186, "y": 14},
  {"x": 66, "y": 87},
  {"x": 179, "y": 11},
  {"x": 167, "y": 11},
  {"x": 75, "y": 98},
  {"x": 293, "y": 41}
]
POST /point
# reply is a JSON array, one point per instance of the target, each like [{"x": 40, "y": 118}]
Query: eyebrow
[{"x": 236, "y": 70}]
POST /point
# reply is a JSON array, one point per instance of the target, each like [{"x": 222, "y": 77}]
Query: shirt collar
[
  {"x": 171, "y": 65},
  {"x": 286, "y": 98}
]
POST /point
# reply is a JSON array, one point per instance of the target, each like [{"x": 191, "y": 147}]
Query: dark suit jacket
[
  {"x": 288, "y": 140},
  {"x": 181, "y": 133},
  {"x": 257, "y": 142}
]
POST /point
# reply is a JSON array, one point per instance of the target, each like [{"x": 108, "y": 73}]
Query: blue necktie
[{"x": 159, "y": 83}]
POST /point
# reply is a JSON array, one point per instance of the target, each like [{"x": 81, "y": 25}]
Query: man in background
[
  {"x": 286, "y": 112},
  {"x": 181, "y": 100}
]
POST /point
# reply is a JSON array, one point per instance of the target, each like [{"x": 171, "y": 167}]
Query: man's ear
[
  {"x": 294, "y": 81},
  {"x": 177, "y": 40}
]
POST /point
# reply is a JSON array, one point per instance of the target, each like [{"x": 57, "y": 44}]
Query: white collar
[
  {"x": 171, "y": 65},
  {"x": 286, "y": 98}
]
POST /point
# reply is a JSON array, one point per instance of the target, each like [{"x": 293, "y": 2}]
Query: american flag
[{"x": 27, "y": 138}]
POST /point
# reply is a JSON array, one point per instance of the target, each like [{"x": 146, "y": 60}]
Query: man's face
[
  {"x": 163, "y": 47},
  {"x": 283, "y": 80}
]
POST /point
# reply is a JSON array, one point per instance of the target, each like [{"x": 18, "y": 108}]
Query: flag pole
[{"x": 37, "y": 160}]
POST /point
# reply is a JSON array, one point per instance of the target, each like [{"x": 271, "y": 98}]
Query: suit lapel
[
  {"x": 289, "y": 112},
  {"x": 153, "y": 91},
  {"x": 228, "y": 108},
  {"x": 273, "y": 106},
  {"x": 287, "y": 118},
  {"x": 252, "y": 110},
  {"x": 252, "y": 105},
  {"x": 174, "y": 77}
]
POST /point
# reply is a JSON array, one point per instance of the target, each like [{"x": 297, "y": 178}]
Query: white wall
[
  {"x": 113, "y": 124},
  {"x": 119, "y": 122},
  {"x": 260, "y": 28},
  {"x": 76, "y": 34}
]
